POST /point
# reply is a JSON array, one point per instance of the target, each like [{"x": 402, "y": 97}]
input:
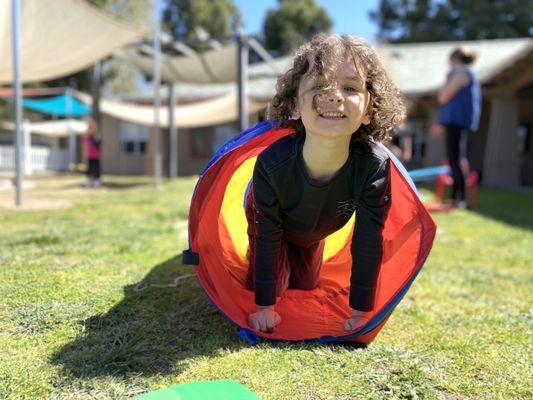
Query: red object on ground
[{"x": 445, "y": 180}]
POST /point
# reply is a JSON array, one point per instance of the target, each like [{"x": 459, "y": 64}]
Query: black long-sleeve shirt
[{"x": 292, "y": 206}]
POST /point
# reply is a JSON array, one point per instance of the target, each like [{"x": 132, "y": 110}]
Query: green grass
[{"x": 73, "y": 325}]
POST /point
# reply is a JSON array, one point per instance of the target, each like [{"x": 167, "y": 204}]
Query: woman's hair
[
  {"x": 464, "y": 55},
  {"x": 321, "y": 56}
]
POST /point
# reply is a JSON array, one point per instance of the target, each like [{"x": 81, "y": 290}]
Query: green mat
[{"x": 223, "y": 389}]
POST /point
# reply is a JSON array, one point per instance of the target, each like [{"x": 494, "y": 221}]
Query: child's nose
[{"x": 334, "y": 96}]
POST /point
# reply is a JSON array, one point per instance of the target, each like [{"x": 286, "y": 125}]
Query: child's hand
[
  {"x": 357, "y": 320},
  {"x": 265, "y": 319}
]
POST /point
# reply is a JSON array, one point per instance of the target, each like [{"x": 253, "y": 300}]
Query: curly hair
[{"x": 321, "y": 56}]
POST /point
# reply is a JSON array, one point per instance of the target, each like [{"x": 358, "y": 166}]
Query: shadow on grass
[
  {"x": 105, "y": 184},
  {"x": 150, "y": 331},
  {"x": 512, "y": 208},
  {"x": 122, "y": 185}
]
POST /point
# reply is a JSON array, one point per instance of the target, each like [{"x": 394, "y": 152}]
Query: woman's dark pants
[{"x": 458, "y": 147}]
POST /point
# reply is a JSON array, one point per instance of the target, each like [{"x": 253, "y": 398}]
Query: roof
[{"x": 420, "y": 68}]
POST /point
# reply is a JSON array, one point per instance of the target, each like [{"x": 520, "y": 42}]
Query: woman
[{"x": 460, "y": 107}]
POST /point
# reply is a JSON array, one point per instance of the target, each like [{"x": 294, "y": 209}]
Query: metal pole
[
  {"x": 26, "y": 134},
  {"x": 157, "y": 103},
  {"x": 242, "y": 79},
  {"x": 172, "y": 131},
  {"x": 71, "y": 135},
  {"x": 96, "y": 72},
  {"x": 18, "y": 103},
  {"x": 263, "y": 53}
]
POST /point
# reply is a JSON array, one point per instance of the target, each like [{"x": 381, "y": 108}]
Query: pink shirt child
[{"x": 92, "y": 147}]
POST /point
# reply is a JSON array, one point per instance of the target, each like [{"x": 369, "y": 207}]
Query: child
[
  {"x": 93, "y": 153},
  {"x": 340, "y": 102}
]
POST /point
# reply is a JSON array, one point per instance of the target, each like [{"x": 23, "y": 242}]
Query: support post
[
  {"x": 242, "y": 79},
  {"x": 26, "y": 131},
  {"x": 501, "y": 167},
  {"x": 157, "y": 104},
  {"x": 19, "y": 174},
  {"x": 72, "y": 150},
  {"x": 172, "y": 131},
  {"x": 95, "y": 86}
]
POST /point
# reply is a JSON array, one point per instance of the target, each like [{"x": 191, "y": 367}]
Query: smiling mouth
[{"x": 332, "y": 115}]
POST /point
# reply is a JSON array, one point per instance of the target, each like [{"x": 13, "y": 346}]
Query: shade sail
[
  {"x": 63, "y": 105},
  {"x": 214, "y": 66},
  {"x": 59, "y": 37},
  {"x": 220, "y": 110}
]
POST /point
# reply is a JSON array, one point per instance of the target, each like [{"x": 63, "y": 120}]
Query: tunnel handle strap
[{"x": 189, "y": 257}]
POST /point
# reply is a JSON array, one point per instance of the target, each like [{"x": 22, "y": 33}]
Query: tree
[
  {"x": 426, "y": 20},
  {"x": 135, "y": 12},
  {"x": 293, "y": 23},
  {"x": 184, "y": 19},
  {"x": 119, "y": 76}
]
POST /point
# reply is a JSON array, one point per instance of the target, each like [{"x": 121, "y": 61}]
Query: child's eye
[{"x": 350, "y": 89}]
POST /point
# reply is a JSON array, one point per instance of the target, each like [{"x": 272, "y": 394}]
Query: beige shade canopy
[
  {"x": 214, "y": 66},
  {"x": 59, "y": 37},
  {"x": 220, "y": 110}
]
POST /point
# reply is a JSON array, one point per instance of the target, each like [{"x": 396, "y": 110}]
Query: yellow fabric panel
[
  {"x": 336, "y": 241},
  {"x": 233, "y": 212},
  {"x": 232, "y": 206}
]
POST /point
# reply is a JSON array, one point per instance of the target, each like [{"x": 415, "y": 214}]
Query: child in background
[
  {"x": 340, "y": 103},
  {"x": 93, "y": 153}
]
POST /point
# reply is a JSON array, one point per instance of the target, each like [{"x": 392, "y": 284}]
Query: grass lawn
[{"x": 74, "y": 324}]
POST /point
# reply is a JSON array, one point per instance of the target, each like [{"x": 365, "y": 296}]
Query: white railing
[{"x": 41, "y": 158}]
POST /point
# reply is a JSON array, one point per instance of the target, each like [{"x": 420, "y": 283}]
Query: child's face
[{"x": 337, "y": 108}]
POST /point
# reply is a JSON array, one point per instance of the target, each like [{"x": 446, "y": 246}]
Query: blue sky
[{"x": 349, "y": 16}]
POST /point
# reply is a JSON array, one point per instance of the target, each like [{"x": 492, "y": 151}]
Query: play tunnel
[{"x": 218, "y": 243}]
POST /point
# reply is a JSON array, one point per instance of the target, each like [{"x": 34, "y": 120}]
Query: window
[
  {"x": 201, "y": 143},
  {"x": 133, "y": 138},
  {"x": 223, "y": 133}
]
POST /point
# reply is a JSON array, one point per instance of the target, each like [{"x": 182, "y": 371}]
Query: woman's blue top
[{"x": 464, "y": 108}]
